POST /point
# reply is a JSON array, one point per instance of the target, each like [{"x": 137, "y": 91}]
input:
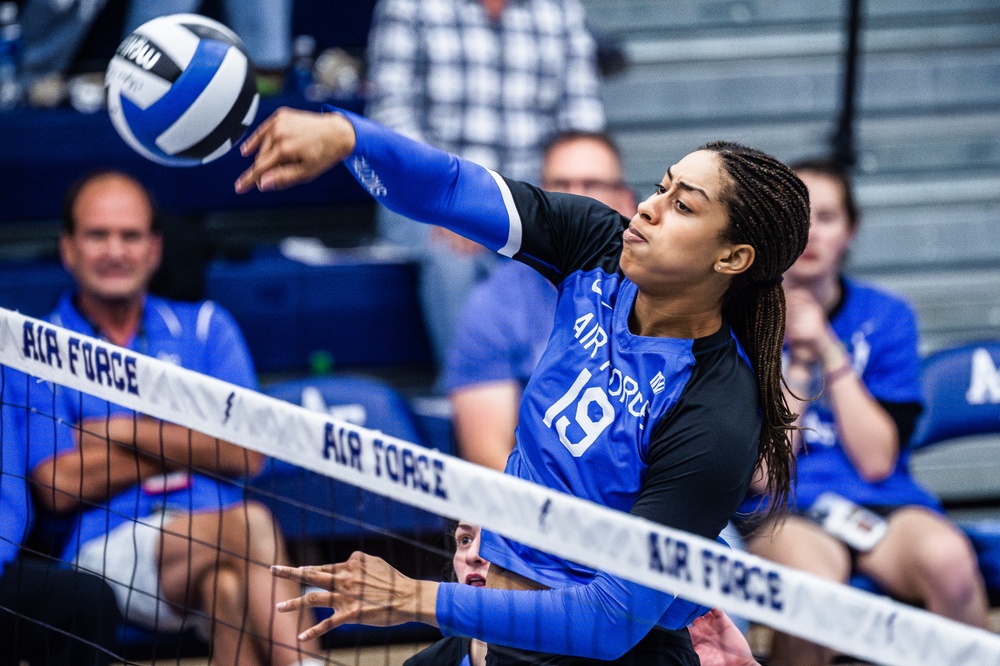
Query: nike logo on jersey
[{"x": 596, "y": 288}]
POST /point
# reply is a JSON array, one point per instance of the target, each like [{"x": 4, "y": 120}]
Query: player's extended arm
[
  {"x": 602, "y": 619},
  {"x": 410, "y": 178}
]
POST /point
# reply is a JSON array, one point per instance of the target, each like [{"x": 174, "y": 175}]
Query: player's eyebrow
[{"x": 687, "y": 186}]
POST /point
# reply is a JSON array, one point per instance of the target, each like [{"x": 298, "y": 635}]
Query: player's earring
[{"x": 718, "y": 267}]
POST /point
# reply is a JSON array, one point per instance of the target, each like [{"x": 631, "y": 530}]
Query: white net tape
[{"x": 868, "y": 626}]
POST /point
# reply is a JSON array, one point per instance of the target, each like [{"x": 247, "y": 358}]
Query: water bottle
[{"x": 10, "y": 52}]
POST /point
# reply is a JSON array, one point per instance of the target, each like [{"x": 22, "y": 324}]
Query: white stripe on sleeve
[{"x": 514, "y": 218}]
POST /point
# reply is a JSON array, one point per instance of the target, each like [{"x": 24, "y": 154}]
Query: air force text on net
[
  {"x": 726, "y": 574},
  {"x": 83, "y": 358},
  {"x": 399, "y": 465}
]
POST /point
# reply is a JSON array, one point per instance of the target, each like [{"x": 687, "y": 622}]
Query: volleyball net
[{"x": 378, "y": 488}]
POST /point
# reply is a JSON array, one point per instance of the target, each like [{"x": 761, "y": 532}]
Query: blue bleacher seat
[
  {"x": 962, "y": 418},
  {"x": 32, "y": 287},
  {"x": 961, "y": 388},
  {"x": 361, "y": 310},
  {"x": 312, "y": 506}
]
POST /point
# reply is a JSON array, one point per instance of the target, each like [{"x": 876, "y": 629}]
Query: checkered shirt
[{"x": 493, "y": 93}]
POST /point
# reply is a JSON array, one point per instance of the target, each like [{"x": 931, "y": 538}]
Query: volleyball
[{"x": 181, "y": 90}]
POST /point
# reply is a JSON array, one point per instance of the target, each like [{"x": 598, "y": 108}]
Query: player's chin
[
  {"x": 628, "y": 261},
  {"x": 639, "y": 270}
]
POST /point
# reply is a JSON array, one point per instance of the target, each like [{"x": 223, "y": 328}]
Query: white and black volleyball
[{"x": 181, "y": 90}]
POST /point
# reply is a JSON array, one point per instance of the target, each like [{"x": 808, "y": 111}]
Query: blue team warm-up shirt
[
  {"x": 198, "y": 336},
  {"x": 665, "y": 428},
  {"x": 879, "y": 331}
]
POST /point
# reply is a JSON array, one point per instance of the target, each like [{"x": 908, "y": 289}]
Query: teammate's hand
[
  {"x": 718, "y": 642},
  {"x": 807, "y": 330},
  {"x": 362, "y": 590},
  {"x": 294, "y": 147}
]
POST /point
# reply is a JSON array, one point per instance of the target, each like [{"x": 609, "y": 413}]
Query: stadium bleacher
[
  {"x": 769, "y": 74},
  {"x": 765, "y": 73}
]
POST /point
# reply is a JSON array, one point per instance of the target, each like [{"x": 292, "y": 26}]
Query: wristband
[
  {"x": 835, "y": 358},
  {"x": 844, "y": 369}
]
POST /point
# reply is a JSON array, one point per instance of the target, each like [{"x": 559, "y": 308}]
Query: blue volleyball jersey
[
  {"x": 604, "y": 406},
  {"x": 665, "y": 428},
  {"x": 198, "y": 336},
  {"x": 879, "y": 331}
]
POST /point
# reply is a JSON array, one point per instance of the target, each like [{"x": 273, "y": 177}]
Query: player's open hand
[
  {"x": 362, "y": 590},
  {"x": 294, "y": 147},
  {"x": 719, "y": 642}
]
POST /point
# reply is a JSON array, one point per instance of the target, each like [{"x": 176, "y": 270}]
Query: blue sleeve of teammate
[
  {"x": 601, "y": 620},
  {"x": 432, "y": 186}
]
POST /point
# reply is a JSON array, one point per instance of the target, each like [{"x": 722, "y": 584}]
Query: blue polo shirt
[
  {"x": 15, "y": 503},
  {"x": 199, "y": 336},
  {"x": 497, "y": 338}
]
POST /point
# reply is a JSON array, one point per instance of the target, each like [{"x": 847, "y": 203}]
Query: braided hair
[{"x": 769, "y": 210}]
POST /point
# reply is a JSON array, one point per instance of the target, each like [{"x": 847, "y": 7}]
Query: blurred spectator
[
  {"x": 154, "y": 508},
  {"x": 488, "y": 80},
  {"x": 506, "y": 322},
  {"x": 50, "y": 615},
  {"x": 53, "y": 31},
  {"x": 855, "y": 347}
]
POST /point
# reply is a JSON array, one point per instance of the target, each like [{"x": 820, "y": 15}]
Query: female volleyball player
[{"x": 658, "y": 394}]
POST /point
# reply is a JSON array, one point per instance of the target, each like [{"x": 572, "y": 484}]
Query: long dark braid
[{"x": 768, "y": 210}]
